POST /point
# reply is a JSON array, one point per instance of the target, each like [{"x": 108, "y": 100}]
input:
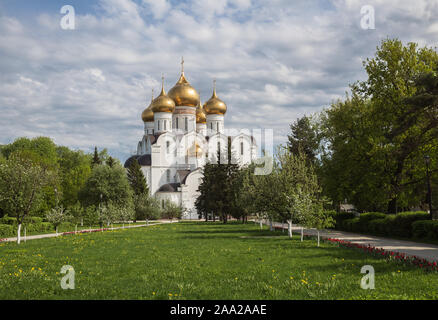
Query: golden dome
[
  {"x": 194, "y": 151},
  {"x": 200, "y": 114},
  {"x": 215, "y": 105},
  {"x": 163, "y": 103},
  {"x": 183, "y": 93},
  {"x": 148, "y": 115}
]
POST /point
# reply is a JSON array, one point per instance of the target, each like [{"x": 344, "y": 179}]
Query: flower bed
[{"x": 389, "y": 255}]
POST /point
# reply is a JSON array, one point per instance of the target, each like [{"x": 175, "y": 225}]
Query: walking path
[
  {"x": 421, "y": 250},
  {"x": 51, "y": 235}
]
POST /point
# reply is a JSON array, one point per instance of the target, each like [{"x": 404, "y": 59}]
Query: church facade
[{"x": 180, "y": 136}]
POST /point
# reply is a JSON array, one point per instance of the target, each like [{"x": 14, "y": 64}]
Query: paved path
[
  {"x": 51, "y": 235},
  {"x": 422, "y": 250}
]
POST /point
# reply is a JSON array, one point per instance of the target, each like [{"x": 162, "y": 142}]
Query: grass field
[{"x": 190, "y": 260}]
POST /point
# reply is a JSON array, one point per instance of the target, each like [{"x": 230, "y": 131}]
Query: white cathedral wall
[
  {"x": 162, "y": 122},
  {"x": 215, "y": 123},
  {"x": 190, "y": 193},
  {"x": 175, "y": 197}
]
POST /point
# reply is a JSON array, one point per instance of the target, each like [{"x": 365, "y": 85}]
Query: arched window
[
  {"x": 167, "y": 146},
  {"x": 165, "y": 125},
  {"x": 168, "y": 175},
  {"x": 241, "y": 148},
  {"x": 158, "y": 125},
  {"x": 186, "y": 124},
  {"x": 211, "y": 125},
  {"x": 177, "y": 121},
  {"x": 217, "y": 124}
]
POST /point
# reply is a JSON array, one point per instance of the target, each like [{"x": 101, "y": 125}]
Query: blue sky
[{"x": 273, "y": 60}]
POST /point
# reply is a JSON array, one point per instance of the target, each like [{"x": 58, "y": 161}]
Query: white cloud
[{"x": 273, "y": 61}]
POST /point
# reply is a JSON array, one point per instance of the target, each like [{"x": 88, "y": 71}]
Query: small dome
[
  {"x": 215, "y": 105},
  {"x": 183, "y": 93},
  {"x": 148, "y": 115},
  {"x": 163, "y": 103},
  {"x": 200, "y": 114}
]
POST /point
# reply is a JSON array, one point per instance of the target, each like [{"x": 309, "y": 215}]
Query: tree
[
  {"x": 96, "y": 159},
  {"x": 74, "y": 170},
  {"x": 136, "y": 179},
  {"x": 110, "y": 161},
  {"x": 304, "y": 137},
  {"x": 172, "y": 210},
  {"x": 21, "y": 186},
  {"x": 58, "y": 215},
  {"x": 375, "y": 140},
  {"x": 106, "y": 185},
  {"x": 146, "y": 207}
]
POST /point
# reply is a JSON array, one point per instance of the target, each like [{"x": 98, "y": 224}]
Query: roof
[
  {"x": 169, "y": 187},
  {"x": 183, "y": 175},
  {"x": 145, "y": 160},
  {"x": 129, "y": 160}
]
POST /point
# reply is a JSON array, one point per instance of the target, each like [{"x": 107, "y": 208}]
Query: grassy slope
[{"x": 200, "y": 261}]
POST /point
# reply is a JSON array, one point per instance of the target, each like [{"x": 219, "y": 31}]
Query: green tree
[
  {"x": 106, "y": 185},
  {"x": 172, "y": 210},
  {"x": 304, "y": 137},
  {"x": 96, "y": 159},
  {"x": 136, "y": 179},
  {"x": 22, "y": 185}
]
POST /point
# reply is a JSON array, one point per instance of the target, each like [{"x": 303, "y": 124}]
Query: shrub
[
  {"x": 350, "y": 224},
  {"x": 7, "y": 230},
  {"x": 379, "y": 226},
  {"x": 42, "y": 227},
  {"x": 401, "y": 226},
  {"x": 425, "y": 229},
  {"x": 368, "y": 216},
  {"x": 340, "y": 217},
  {"x": 8, "y": 220}
]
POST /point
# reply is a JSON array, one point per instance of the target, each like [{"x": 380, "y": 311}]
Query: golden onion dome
[
  {"x": 200, "y": 114},
  {"x": 215, "y": 105},
  {"x": 148, "y": 115},
  {"x": 163, "y": 103},
  {"x": 183, "y": 93},
  {"x": 195, "y": 151}
]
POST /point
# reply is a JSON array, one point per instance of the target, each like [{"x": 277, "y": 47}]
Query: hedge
[
  {"x": 399, "y": 225},
  {"x": 7, "y": 230},
  {"x": 425, "y": 229}
]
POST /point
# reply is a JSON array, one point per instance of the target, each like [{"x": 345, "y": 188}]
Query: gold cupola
[
  {"x": 200, "y": 114},
  {"x": 162, "y": 103},
  {"x": 148, "y": 115},
  {"x": 215, "y": 105},
  {"x": 182, "y": 92}
]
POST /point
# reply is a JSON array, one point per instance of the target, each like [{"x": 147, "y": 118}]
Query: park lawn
[{"x": 198, "y": 260}]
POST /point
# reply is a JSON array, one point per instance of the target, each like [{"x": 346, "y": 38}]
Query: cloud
[{"x": 274, "y": 61}]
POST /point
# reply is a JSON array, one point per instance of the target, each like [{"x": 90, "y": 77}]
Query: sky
[{"x": 274, "y": 61}]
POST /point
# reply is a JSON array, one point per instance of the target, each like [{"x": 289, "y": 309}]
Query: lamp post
[{"x": 429, "y": 189}]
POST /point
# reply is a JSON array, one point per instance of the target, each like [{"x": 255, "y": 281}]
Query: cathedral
[{"x": 180, "y": 136}]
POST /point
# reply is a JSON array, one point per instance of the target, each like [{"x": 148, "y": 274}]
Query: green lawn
[{"x": 190, "y": 260}]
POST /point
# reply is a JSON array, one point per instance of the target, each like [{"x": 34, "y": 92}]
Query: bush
[
  {"x": 350, "y": 225},
  {"x": 401, "y": 226},
  {"x": 368, "y": 216},
  {"x": 8, "y": 220},
  {"x": 340, "y": 217},
  {"x": 7, "y": 230},
  {"x": 42, "y": 227},
  {"x": 425, "y": 229}
]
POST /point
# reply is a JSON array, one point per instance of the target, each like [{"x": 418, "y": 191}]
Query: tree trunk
[
  {"x": 19, "y": 233},
  {"x": 56, "y": 230},
  {"x": 302, "y": 234},
  {"x": 261, "y": 224},
  {"x": 289, "y": 228},
  {"x": 82, "y": 222},
  {"x": 271, "y": 228},
  {"x": 318, "y": 237}
]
